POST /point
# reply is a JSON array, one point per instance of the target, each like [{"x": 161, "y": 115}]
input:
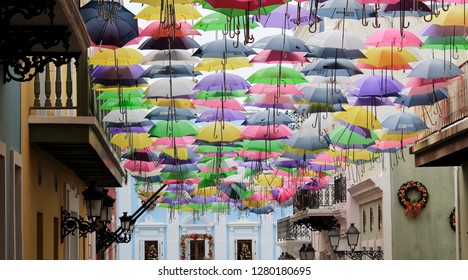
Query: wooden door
[{"x": 197, "y": 249}]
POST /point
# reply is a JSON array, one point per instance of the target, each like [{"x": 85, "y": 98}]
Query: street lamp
[
  {"x": 307, "y": 252},
  {"x": 94, "y": 198},
  {"x": 352, "y": 237}
]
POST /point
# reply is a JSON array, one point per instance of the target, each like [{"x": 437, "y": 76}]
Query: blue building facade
[{"x": 237, "y": 234}]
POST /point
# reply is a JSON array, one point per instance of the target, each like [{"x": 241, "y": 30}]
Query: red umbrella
[
  {"x": 266, "y": 131},
  {"x": 157, "y": 29}
]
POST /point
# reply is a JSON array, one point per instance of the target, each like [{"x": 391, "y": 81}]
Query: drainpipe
[{"x": 457, "y": 213}]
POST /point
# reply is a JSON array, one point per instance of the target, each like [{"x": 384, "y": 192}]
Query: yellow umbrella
[
  {"x": 393, "y": 135},
  {"x": 101, "y": 87},
  {"x": 178, "y": 103},
  {"x": 360, "y": 116},
  {"x": 182, "y": 153},
  {"x": 268, "y": 180},
  {"x": 133, "y": 140},
  {"x": 455, "y": 15},
  {"x": 299, "y": 151},
  {"x": 361, "y": 155},
  {"x": 208, "y": 191},
  {"x": 255, "y": 203},
  {"x": 121, "y": 56},
  {"x": 382, "y": 57},
  {"x": 182, "y": 12},
  {"x": 216, "y": 64},
  {"x": 218, "y": 132}
]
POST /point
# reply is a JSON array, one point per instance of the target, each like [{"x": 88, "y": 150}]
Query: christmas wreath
[
  {"x": 413, "y": 196},
  {"x": 196, "y": 236},
  {"x": 452, "y": 219}
]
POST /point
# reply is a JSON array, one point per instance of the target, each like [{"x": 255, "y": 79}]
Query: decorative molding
[{"x": 365, "y": 192}]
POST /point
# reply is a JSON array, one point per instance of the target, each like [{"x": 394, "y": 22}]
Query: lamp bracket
[
  {"x": 357, "y": 255},
  {"x": 70, "y": 224}
]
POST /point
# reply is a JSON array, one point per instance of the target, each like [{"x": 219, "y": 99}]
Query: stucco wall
[
  {"x": 463, "y": 210},
  {"x": 428, "y": 236}
]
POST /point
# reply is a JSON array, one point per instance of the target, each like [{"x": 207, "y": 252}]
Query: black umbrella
[
  {"x": 162, "y": 43},
  {"x": 335, "y": 53},
  {"x": 158, "y": 71},
  {"x": 109, "y": 23}
]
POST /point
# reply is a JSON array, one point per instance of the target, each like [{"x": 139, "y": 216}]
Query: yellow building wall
[{"x": 44, "y": 181}]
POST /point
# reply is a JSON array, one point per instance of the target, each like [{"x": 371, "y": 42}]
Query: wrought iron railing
[
  {"x": 289, "y": 230},
  {"x": 447, "y": 111}
]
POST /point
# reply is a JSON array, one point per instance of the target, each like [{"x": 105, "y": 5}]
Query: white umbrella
[
  {"x": 130, "y": 116},
  {"x": 161, "y": 88},
  {"x": 337, "y": 39}
]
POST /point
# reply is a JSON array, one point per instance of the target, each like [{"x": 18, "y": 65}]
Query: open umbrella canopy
[
  {"x": 107, "y": 29},
  {"x": 173, "y": 128},
  {"x": 276, "y": 75},
  {"x": 403, "y": 121}
]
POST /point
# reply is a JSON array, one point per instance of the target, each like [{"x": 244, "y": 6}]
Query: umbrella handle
[
  {"x": 364, "y": 20},
  {"x": 313, "y": 25},
  {"x": 376, "y": 23}
]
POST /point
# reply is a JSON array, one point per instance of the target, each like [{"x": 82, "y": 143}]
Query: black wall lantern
[{"x": 352, "y": 237}]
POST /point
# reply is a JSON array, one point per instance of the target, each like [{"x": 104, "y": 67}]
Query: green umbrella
[
  {"x": 179, "y": 175},
  {"x": 130, "y": 104},
  {"x": 348, "y": 135},
  {"x": 126, "y": 94},
  {"x": 277, "y": 75},
  {"x": 214, "y": 149},
  {"x": 216, "y": 94},
  {"x": 219, "y": 21},
  {"x": 238, "y": 12},
  {"x": 446, "y": 43},
  {"x": 173, "y": 128},
  {"x": 219, "y": 207},
  {"x": 263, "y": 145}
]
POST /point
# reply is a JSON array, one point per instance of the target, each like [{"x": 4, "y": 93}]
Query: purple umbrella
[
  {"x": 376, "y": 85},
  {"x": 174, "y": 200},
  {"x": 434, "y": 30},
  {"x": 200, "y": 199},
  {"x": 296, "y": 16},
  {"x": 119, "y": 72},
  {"x": 179, "y": 187},
  {"x": 216, "y": 82},
  {"x": 162, "y": 43},
  {"x": 355, "y": 100},
  {"x": 116, "y": 130},
  {"x": 212, "y": 115}
]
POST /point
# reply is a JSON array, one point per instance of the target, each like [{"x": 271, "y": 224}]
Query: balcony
[
  {"x": 68, "y": 125},
  {"x": 446, "y": 142},
  {"x": 316, "y": 210}
]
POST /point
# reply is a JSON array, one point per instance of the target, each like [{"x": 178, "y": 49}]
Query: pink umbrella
[
  {"x": 231, "y": 104},
  {"x": 420, "y": 85},
  {"x": 281, "y": 194},
  {"x": 272, "y": 99},
  {"x": 273, "y": 89},
  {"x": 253, "y": 154},
  {"x": 141, "y": 166},
  {"x": 393, "y": 37},
  {"x": 389, "y": 144},
  {"x": 274, "y": 56},
  {"x": 266, "y": 132},
  {"x": 170, "y": 142}
]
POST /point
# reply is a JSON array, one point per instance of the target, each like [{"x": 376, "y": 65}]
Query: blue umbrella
[
  {"x": 403, "y": 121},
  {"x": 335, "y": 53},
  {"x": 180, "y": 168},
  {"x": 350, "y": 9},
  {"x": 433, "y": 68},
  {"x": 166, "y": 113},
  {"x": 307, "y": 142},
  {"x": 268, "y": 117},
  {"x": 223, "y": 48},
  {"x": 323, "y": 95},
  {"x": 266, "y": 209},
  {"x": 281, "y": 42},
  {"x": 422, "y": 99}
]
